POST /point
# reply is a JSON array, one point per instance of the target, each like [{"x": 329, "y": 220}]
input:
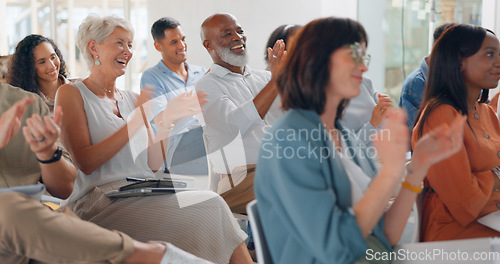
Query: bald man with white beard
[{"x": 242, "y": 104}]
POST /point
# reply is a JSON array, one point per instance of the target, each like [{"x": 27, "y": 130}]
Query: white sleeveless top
[{"x": 102, "y": 123}]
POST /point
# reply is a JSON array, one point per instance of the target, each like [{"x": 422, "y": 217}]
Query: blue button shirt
[
  {"x": 413, "y": 92},
  {"x": 169, "y": 84},
  {"x": 166, "y": 85}
]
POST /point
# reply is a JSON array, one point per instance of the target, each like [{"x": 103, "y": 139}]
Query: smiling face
[
  {"x": 173, "y": 46},
  {"x": 226, "y": 41},
  {"x": 114, "y": 53},
  {"x": 46, "y": 63},
  {"x": 482, "y": 70},
  {"x": 345, "y": 73}
]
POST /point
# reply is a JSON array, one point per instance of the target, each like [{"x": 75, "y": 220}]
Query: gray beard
[{"x": 230, "y": 58}]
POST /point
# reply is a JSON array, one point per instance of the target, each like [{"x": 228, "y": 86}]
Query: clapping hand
[
  {"x": 41, "y": 133},
  {"x": 276, "y": 55},
  {"x": 10, "y": 120},
  {"x": 186, "y": 104},
  {"x": 392, "y": 143},
  {"x": 381, "y": 110}
]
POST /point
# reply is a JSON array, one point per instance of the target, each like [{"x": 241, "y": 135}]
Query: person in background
[
  {"x": 366, "y": 112},
  {"x": 413, "y": 86},
  {"x": 283, "y": 32},
  {"x": 464, "y": 65},
  {"x": 319, "y": 195},
  {"x": 31, "y": 231},
  {"x": 242, "y": 104},
  {"x": 169, "y": 78},
  {"x": 107, "y": 132},
  {"x": 38, "y": 66}
]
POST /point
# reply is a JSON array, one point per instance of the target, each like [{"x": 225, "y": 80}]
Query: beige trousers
[
  {"x": 32, "y": 233},
  {"x": 240, "y": 195},
  {"x": 198, "y": 222}
]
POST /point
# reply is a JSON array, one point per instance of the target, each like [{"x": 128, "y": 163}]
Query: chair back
[
  {"x": 418, "y": 208},
  {"x": 262, "y": 250}
]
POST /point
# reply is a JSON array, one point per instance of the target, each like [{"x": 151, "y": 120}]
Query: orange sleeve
[
  {"x": 463, "y": 192},
  {"x": 494, "y": 102}
]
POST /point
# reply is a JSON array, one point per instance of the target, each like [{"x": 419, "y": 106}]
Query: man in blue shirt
[
  {"x": 413, "y": 86},
  {"x": 171, "y": 77}
]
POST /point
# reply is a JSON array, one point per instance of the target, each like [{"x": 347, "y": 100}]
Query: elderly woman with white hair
[{"x": 98, "y": 127}]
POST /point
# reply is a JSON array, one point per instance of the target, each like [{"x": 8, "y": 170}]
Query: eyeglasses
[{"x": 357, "y": 54}]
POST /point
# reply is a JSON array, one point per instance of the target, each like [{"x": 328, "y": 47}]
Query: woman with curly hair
[{"x": 46, "y": 72}]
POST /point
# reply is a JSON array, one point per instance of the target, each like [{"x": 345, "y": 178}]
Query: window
[
  {"x": 35, "y": 17},
  {"x": 402, "y": 39}
]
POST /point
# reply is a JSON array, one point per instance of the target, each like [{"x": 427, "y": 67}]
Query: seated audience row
[
  {"x": 319, "y": 77},
  {"x": 99, "y": 122},
  {"x": 318, "y": 150},
  {"x": 32, "y": 231}
]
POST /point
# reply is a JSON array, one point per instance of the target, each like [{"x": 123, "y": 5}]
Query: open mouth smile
[
  {"x": 240, "y": 46},
  {"x": 124, "y": 62}
]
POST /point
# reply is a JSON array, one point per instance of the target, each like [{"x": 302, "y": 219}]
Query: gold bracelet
[{"x": 412, "y": 188}]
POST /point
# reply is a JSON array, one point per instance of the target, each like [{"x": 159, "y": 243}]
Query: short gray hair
[{"x": 98, "y": 28}]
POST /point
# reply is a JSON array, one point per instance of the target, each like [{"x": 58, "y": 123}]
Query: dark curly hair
[{"x": 22, "y": 72}]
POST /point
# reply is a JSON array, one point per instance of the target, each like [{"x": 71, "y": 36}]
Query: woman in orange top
[
  {"x": 494, "y": 102},
  {"x": 465, "y": 63}
]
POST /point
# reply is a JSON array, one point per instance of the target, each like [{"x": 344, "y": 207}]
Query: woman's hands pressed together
[
  {"x": 41, "y": 133},
  {"x": 381, "y": 110}
]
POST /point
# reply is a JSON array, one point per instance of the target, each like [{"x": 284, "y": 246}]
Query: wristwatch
[{"x": 56, "y": 157}]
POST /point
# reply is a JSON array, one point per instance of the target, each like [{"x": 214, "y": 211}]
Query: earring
[{"x": 97, "y": 62}]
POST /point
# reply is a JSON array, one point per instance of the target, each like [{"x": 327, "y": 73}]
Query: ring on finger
[
  {"x": 274, "y": 56},
  {"x": 42, "y": 139}
]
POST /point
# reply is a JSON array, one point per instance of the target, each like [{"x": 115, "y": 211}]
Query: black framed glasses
[{"x": 358, "y": 56}]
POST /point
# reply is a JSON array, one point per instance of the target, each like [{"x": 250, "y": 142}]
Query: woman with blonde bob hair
[{"x": 105, "y": 130}]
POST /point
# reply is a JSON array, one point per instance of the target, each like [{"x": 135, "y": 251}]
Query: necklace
[
  {"x": 59, "y": 83},
  {"x": 106, "y": 90}
]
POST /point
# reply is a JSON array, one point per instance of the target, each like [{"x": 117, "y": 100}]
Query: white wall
[
  {"x": 491, "y": 20},
  {"x": 3, "y": 25},
  {"x": 258, "y": 18},
  {"x": 490, "y": 11},
  {"x": 497, "y": 22},
  {"x": 371, "y": 15}
]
